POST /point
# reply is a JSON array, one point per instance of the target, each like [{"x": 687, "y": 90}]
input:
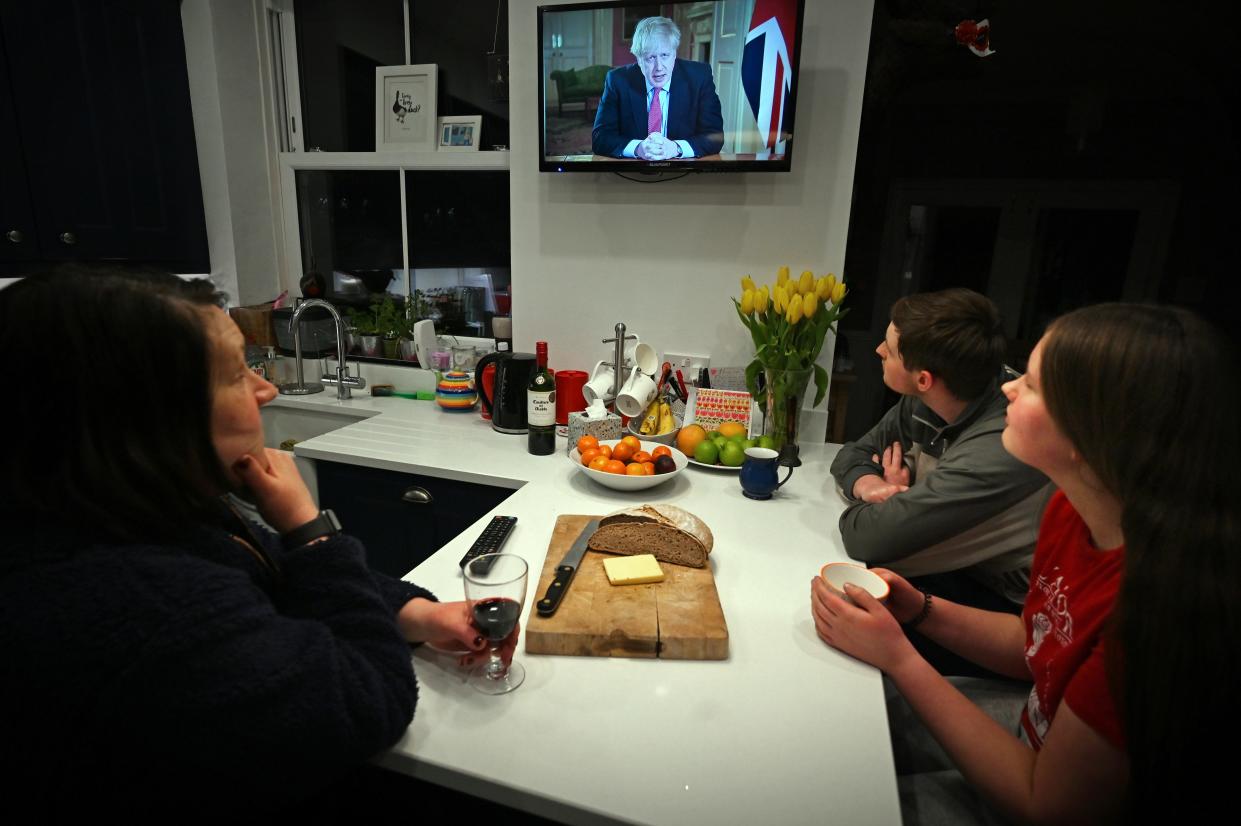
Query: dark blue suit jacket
[{"x": 694, "y": 106}]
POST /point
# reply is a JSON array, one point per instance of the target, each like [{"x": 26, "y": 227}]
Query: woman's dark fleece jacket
[{"x": 187, "y": 678}]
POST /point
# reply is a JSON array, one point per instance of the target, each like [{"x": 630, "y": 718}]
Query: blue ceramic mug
[{"x": 758, "y": 473}]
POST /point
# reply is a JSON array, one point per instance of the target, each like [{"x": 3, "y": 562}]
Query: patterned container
[
  {"x": 455, "y": 391},
  {"x": 579, "y": 426}
]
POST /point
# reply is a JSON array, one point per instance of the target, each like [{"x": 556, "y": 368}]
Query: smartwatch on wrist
[{"x": 324, "y": 525}]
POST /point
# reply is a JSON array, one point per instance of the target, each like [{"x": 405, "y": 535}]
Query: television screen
[{"x": 652, "y": 87}]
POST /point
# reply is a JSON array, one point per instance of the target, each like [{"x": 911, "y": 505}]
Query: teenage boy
[{"x": 935, "y": 496}]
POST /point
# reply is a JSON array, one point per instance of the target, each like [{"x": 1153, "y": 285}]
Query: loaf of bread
[{"x": 672, "y": 534}]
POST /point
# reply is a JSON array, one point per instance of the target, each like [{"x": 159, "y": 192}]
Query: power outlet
[{"x": 687, "y": 363}]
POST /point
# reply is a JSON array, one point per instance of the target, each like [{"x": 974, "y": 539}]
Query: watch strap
[{"x": 325, "y": 524}]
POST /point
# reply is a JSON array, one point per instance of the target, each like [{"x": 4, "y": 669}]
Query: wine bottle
[{"x": 541, "y": 407}]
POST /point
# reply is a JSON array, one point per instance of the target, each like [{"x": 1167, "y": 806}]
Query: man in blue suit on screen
[{"x": 659, "y": 108}]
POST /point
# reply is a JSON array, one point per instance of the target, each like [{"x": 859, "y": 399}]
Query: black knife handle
[{"x": 560, "y": 583}]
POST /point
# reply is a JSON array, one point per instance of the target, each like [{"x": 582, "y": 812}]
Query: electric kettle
[{"x": 507, "y": 401}]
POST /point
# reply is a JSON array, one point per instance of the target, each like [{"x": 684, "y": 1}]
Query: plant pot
[
  {"x": 390, "y": 346},
  {"x": 371, "y": 344},
  {"x": 405, "y": 350}
]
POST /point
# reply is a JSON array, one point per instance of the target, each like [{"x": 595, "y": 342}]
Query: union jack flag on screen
[{"x": 767, "y": 67}]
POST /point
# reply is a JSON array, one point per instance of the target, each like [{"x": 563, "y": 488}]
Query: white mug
[
  {"x": 641, "y": 355},
  {"x": 600, "y": 385},
  {"x": 646, "y": 359},
  {"x": 636, "y": 394}
]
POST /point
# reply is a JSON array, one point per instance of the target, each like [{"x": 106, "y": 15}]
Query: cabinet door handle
[
  {"x": 68, "y": 238},
  {"x": 14, "y": 235},
  {"x": 417, "y": 496}
]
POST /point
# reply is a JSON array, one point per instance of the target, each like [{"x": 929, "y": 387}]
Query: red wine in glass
[
  {"x": 495, "y": 587},
  {"x": 496, "y": 617}
]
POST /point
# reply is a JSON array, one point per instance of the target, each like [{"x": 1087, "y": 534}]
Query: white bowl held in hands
[
  {"x": 837, "y": 574},
  {"x": 619, "y": 481}
]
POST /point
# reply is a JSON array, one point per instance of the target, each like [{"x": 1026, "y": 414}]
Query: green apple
[
  {"x": 706, "y": 452},
  {"x": 732, "y": 454},
  {"x": 767, "y": 442}
]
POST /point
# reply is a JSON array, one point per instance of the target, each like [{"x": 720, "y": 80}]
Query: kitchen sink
[{"x": 290, "y": 424}]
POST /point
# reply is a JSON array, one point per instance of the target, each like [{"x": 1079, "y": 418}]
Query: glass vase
[{"x": 785, "y": 391}]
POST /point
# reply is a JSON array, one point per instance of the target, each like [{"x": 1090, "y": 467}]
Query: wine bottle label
[{"x": 541, "y": 409}]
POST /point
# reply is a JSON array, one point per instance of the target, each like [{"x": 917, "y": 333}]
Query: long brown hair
[
  {"x": 1149, "y": 397},
  {"x": 117, "y": 440}
]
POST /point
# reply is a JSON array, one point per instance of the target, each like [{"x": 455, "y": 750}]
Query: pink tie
[{"x": 655, "y": 118}]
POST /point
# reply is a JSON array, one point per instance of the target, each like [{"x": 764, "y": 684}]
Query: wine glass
[{"x": 495, "y": 588}]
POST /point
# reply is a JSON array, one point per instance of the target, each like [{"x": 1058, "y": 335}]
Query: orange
[
  {"x": 614, "y": 466},
  {"x": 662, "y": 450},
  {"x": 589, "y": 454},
  {"x": 635, "y": 469},
  {"x": 623, "y": 451},
  {"x": 599, "y": 463},
  {"x": 689, "y": 437},
  {"x": 633, "y": 441},
  {"x": 586, "y": 443},
  {"x": 650, "y": 468},
  {"x": 641, "y": 456},
  {"x": 605, "y": 450},
  {"x": 730, "y": 429}
]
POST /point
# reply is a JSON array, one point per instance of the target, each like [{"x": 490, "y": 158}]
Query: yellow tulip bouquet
[{"x": 788, "y": 323}]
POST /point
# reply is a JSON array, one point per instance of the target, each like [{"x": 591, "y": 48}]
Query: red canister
[
  {"x": 569, "y": 399},
  {"x": 489, "y": 385}
]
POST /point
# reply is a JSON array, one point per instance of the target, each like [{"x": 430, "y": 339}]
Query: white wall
[
  {"x": 589, "y": 250},
  {"x": 232, "y": 128}
]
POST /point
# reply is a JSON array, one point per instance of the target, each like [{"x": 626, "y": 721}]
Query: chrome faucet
[{"x": 342, "y": 379}]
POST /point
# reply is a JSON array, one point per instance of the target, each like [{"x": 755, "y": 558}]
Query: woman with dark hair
[
  {"x": 1131, "y": 629},
  {"x": 162, "y": 654}
]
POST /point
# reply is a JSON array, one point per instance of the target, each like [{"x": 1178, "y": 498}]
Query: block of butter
[{"x": 633, "y": 570}]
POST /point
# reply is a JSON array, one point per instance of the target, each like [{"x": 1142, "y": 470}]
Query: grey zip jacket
[{"x": 970, "y": 504}]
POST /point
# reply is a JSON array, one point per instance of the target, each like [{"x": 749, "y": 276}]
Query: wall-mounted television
[{"x": 655, "y": 87}]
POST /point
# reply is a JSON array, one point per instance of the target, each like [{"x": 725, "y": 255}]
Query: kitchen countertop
[{"x": 786, "y": 730}]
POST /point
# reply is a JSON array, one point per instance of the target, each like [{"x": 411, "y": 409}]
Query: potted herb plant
[
  {"x": 388, "y": 320},
  {"x": 364, "y": 321}
]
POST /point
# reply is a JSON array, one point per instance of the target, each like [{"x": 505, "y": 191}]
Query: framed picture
[
  {"x": 405, "y": 108},
  {"x": 460, "y": 134}
]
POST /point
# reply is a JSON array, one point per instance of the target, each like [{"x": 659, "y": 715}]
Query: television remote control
[{"x": 490, "y": 541}]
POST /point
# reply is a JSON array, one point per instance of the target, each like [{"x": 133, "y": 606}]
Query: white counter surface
[{"x": 786, "y": 730}]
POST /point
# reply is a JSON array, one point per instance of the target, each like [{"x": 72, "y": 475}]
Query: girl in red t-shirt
[{"x": 1130, "y": 626}]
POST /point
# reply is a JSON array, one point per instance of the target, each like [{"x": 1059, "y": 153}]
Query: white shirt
[{"x": 631, "y": 148}]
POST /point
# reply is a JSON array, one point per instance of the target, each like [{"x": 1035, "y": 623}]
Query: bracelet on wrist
[
  {"x": 323, "y": 526},
  {"x": 926, "y": 609}
]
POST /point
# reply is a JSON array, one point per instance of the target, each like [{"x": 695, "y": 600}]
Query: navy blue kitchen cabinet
[
  {"x": 97, "y": 136},
  {"x": 402, "y": 518}
]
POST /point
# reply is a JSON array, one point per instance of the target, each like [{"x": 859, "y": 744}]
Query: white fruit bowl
[{"x": 618, "y": 481}]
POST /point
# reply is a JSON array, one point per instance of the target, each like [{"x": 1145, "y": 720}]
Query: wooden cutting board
[{"x": 677, "y": 619}]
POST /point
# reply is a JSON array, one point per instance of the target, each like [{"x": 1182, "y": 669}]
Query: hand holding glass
[{"x": 495, "y": 587}]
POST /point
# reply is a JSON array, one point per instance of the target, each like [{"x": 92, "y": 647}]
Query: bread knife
[{"x": 563, "y": 574}]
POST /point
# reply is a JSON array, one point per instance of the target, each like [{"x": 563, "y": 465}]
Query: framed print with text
[
  {"x": 460, "y": 133},
  {"x": 405, "y": 108}
]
